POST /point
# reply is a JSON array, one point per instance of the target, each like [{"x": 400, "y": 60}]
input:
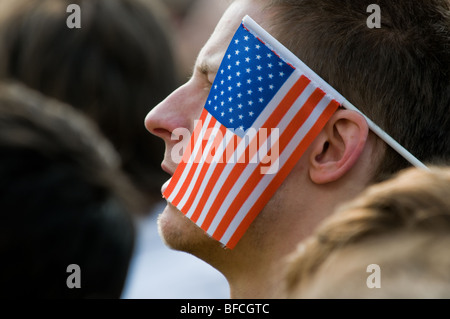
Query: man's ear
[{"x": 338, "y": 146}]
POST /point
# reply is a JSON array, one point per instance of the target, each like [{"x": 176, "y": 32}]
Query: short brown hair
[{"x": 398, "y": 75}]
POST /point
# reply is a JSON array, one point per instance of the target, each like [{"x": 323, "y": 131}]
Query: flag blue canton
[{"x": 248, "y": 78}]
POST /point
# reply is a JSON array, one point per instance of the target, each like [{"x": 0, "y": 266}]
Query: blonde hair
[{"x": 414, "y": 201}]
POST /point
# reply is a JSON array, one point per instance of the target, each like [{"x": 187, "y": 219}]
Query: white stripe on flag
[
  {"x": 273, "y": 104},
  {"x": 207, "y": 149},
  {"x": 191, "y": 159},
  {"x": 298, "y": 104},
  {"x": 228, "y": 136},
  {"x": 285, "y": 155}
]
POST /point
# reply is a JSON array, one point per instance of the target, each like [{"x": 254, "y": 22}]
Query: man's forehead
[{"x": 213, "y": 51}]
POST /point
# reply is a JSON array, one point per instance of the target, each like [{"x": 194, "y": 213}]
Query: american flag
[{"x": 264, "y": 109}]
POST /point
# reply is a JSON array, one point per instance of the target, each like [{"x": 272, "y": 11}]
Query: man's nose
[{"x": 174, "y": 112}]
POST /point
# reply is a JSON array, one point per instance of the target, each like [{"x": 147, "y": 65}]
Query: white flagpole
[
  {"x": 288, "y": 56},
  {"x": 387, "y": 138}
]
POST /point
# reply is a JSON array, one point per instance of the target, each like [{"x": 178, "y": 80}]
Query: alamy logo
[
  {"x": 374, "y": 20},
  {"x": 74, "y": 279},
  {"x": 374, "y": 280},
  {"x": 256, "y": 146},
  {"x": 74, "y": 19}
]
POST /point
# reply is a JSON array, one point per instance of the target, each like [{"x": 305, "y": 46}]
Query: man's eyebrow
[{"x": 206, "y": 68}]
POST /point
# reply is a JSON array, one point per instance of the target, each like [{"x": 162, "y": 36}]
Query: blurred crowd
[
  {"x": 89, "y": 89},
  {"x": 80, "y": 176}
]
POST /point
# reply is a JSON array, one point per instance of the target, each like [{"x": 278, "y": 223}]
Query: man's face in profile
[{"x": 181, "y": 109}]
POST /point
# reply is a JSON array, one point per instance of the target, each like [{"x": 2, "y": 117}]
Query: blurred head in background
[
  {"x": 63, "y": 200},
  {"x": 114, "y": 68},
  {"x": 401, "y": 225}
]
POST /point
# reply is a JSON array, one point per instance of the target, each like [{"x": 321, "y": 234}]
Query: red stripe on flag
[
  {"x": 203, "y": 140},
  {"x": 271, "y": 122},
  {"x": 187, "y": 153},
  {"x": 256, "y": 176},
  {"x": 282, "y": 174},
  {"x": 216, "y": 143},
  {"x": 228, "y": 152}
]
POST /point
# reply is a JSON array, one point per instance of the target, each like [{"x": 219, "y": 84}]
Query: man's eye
[{"x": 211, "y": 78}]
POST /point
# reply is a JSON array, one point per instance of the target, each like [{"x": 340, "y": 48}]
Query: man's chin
[{"x": 180, "y": 233}]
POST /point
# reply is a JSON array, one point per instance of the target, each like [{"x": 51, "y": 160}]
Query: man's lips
[
  {"x": 163, "y": 188},
  {"x": 167, "y": 169}
]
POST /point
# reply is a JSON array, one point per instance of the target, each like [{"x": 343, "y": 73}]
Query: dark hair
[
  {"x": 398, "y": 75},
  {"x": 63, "y": 201},
  {"x": 115, "y": 68}
]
